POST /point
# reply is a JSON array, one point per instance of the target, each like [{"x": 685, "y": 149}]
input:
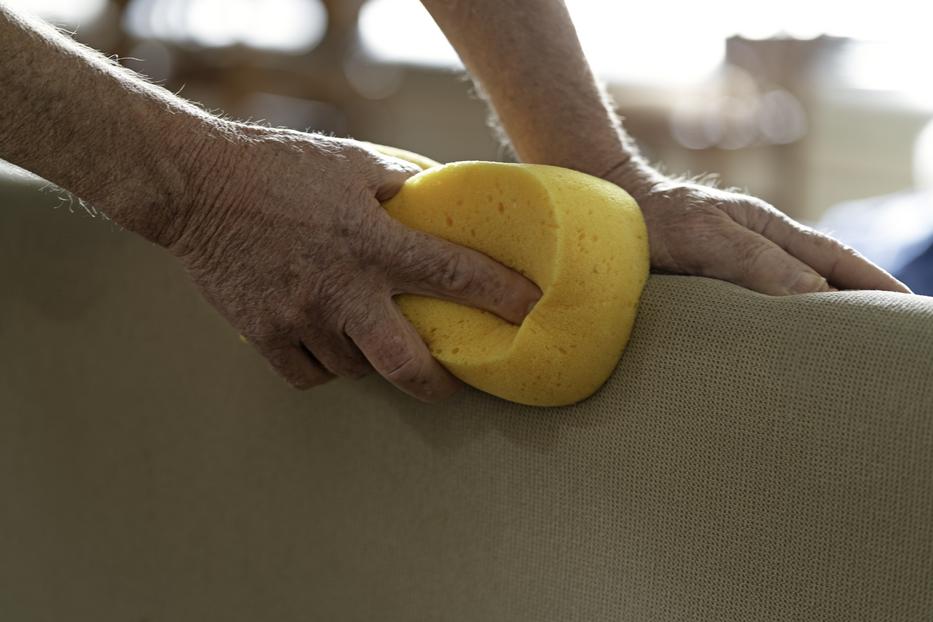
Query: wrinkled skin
[
  {"x": 292, "y": 246},
  {"x": 530, "y": 67},
  {"x": 700, "y": 230}
]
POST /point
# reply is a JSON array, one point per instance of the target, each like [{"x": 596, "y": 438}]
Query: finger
[
  {"x": 432, "y": 266},
  {"x": 755, "y": 262},
  {"x": 337, "y": 354},
  {"x": 842, "y": 265},
  {"x": 397, "y": 352},
  {"x": 294, "y": 363}
]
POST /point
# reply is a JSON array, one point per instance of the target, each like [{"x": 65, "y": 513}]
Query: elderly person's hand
[
  {"x": 700, "y": 230},
  {"x": 534, "y": 74},
  {"x": 282, "y": 231},
  {"x": 292, "y": 246}
]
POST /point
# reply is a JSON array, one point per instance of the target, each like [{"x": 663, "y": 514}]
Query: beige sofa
[{"x": 752, "y": 458}]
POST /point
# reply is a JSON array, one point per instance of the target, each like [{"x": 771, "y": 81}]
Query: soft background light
[
  {"x": 285, "y": 25},
  {"x": 663, "y": 41},
  {"x": 64, "y": 12},
  {"x": 817, "y": 107},
  {"x": 672, "y": 42}
]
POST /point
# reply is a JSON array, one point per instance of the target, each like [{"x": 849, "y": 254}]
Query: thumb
[{"x": 431, "y": 266}]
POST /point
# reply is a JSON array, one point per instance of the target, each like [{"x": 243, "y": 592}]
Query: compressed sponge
[{"x": 581, "y": 239}]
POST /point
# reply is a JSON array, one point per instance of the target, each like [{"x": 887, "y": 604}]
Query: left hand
[
  {"x": 704, "y": 231},
  {"x": 283, "y": 232}
]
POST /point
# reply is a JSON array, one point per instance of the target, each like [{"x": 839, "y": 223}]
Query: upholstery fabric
[{"x": 752, "y": 458}]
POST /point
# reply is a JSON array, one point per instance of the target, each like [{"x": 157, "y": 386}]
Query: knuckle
[
  {"x": 292, "y": 376},
  {"x": 279, "y": 357},
  {"x": 829, "y": 246},
  {"x": 398, "y": 171},
  {"x": 404, "y": 369},
  {"x": 701, "y": 215},
  {"x": 335, "y": 353},
  {"x": 386, "y": 163},
  {"x": 442, "y": 266},
  {"x": 356, "y": 320},
  {"x": 807, "y": 282},
  {"x": 845, "y": 249},
  {"x": 372, "y": 165},
  {"x": 401, "y": 365},
  {"x": 455, "y": 273},
  {"x": 756, "y": 214},
  {"x": 817, "y": 237},
  {"x": 778, "y": 226},
  {"x": 826, "y": 241},
  {"x": 396, "y": 167}
]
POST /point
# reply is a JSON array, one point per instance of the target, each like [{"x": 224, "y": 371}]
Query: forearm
[
  {"x": 526, "y": 58},
  {"x": 92, "y": 127}
]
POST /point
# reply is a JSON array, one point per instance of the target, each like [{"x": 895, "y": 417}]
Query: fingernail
[{"x": 810, "y": 283}]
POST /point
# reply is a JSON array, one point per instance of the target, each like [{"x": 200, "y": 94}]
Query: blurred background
[{"x": 823, "y": 109}]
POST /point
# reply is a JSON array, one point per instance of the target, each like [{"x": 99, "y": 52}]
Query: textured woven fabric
[{"x": 752, "y": 458}]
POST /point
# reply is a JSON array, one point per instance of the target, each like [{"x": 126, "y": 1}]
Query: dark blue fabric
[
  {"x": 894, "y": 231},
  {"x": 917, "y": 274}
]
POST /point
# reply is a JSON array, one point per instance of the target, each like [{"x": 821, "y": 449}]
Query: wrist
[
  {"x": 155, "y": 179},
  {"x": 95, "y": 129},
  {"x": 213, "y": 168},
  {"x": 634, "y": 175}
]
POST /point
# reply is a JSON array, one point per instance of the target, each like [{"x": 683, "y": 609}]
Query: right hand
[
  {"x": 287, "y": 238},
  {"x": 705, "y": 231}
]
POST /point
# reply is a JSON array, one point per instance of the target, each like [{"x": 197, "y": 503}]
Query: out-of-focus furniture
[{"x": 752, "y": 458}]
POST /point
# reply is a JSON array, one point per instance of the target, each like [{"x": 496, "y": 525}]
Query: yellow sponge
[{"x": 581, "y": 239}]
